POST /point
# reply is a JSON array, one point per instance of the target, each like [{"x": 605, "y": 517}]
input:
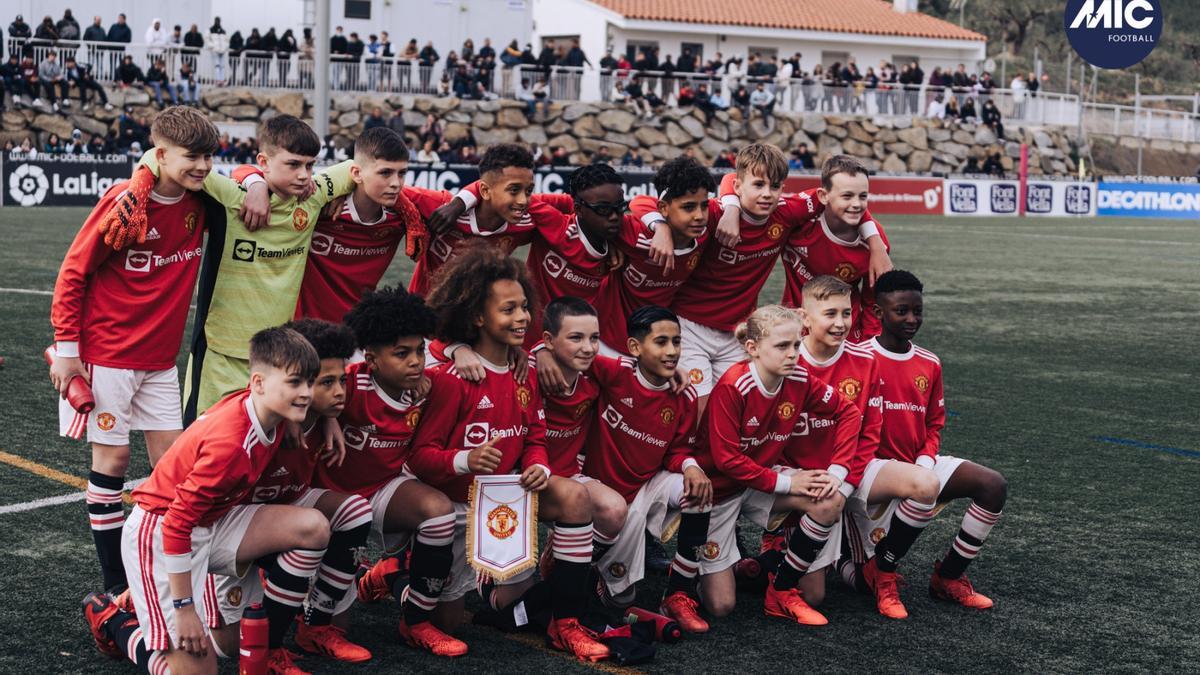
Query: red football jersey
[
  {"x": 208, "y": 470},
  {"x": 854, "y": 373},
  {"x": 128, "y": 309},
  {"x": 290, "y": 471},
  {"x": 724, "y": 289},
  {"x": 642, "y": 429},
  {"x": 813, "y": 251},
  {"x": 444, "y": 246},
  {"x": 347, "y": 258},
  {"x": 641, "y": 282},
  {"x": 378, "y": 430},
  {"x": 462, "y": 415},
  {"x": 914, "y": 407},
  {"x": 569, "y": 420},
  {"x": 746, "y": 428}
]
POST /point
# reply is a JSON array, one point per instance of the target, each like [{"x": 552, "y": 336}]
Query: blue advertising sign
[{"x": 1149, "y": 200}]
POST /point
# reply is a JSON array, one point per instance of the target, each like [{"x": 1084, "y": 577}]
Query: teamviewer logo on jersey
[
  {"x": 611, "y": 416},
  {"x": 322, "y": 244},
  {"x": 801, "y": 428},
  {"x": 554, "y": 264},
  {"x": 138, "y": 261},
  {"x": 1113, "y": 33},
  {"x": 243, "y": 249},
  {"x": 727, "y": 255},
  {"x": 355, "y": 437},
  {"x": 635, "y": 277},
  {"x": 476, "y": 434}
]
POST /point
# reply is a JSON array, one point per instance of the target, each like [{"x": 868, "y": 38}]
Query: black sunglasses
[{"x": 605, "y": 209}]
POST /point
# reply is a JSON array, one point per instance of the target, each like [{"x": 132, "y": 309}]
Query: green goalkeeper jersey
[{"x": 258, "y": 274}]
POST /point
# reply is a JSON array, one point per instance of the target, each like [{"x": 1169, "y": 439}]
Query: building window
[
  {"x": 830, "y": 58},
  {"x": 696, "y": 49},
  {"x": 358, "y": 9},
  {"x": 632, "y": 47}
]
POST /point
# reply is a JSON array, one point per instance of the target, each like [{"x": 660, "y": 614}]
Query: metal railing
[{"x": 1127, "y": 120}]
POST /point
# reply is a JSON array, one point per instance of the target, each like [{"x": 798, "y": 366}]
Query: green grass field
[{"x": 1069, "y": 366}]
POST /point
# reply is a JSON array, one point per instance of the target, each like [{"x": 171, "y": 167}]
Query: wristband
[{"x": 183, "y": 602}]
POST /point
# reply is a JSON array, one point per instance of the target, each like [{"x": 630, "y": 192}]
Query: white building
[{"x": 823, "y": 31}]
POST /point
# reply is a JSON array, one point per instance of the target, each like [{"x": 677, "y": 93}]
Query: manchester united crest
[
  {"x": 710, "y": 550},
  {"x": 189, "y": 221},
  {"x": 299, "y": 219},
  {"x": 667, "y": 415},
  {"x": 502, "y": 522},
  {"x": 506, "y": 244},
  {"x": 234, "y": 596},
  {"x": 413, "y": 418},
  {"x": 106, "y": 421},
  {"x": 581, "y": 409},
  {"x": 922, "y": 383},
  {"x": 786, "y": 410},
  {"x": 693, "y": 261},
  {"x": 845, "y": 271},
  {"x": 696, "y": 375},
  {"x": 850, "y": 388},
  {"x": 877, "y": 535},
  {"x": 775, "y": 231},
  {"x": 523, "y": 396},
  {"x": 617, "y": 570}
]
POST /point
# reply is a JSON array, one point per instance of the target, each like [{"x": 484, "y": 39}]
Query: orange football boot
[
  {"x": 280, "y": 662},
  {"x": 373, "y": 586},
  {"x": 887, "y": 592},
  {"x": 790, "y": 604},
  {"x": 427, "y": 636},
  {"x": 682, "y": 607},
  {"x": 330, "y": 641},
  {"x": 957, "y": 590},
  {"x": 568, "y": 636}
]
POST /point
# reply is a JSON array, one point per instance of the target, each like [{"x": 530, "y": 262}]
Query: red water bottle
[
  {"x": 252, "y": 652},
  {"x": 665, "y": 628},
  {"x": 79, "y": 394}
]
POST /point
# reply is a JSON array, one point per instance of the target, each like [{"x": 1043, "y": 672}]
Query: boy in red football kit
[
  {"x": 683, "y": 185},
  {"x": 383, "y": 410},
  {"x": 287, "y": 479},
  {"x": 119, "y": 318},
  {"x": 353, "y": 247},
  {"x": 756, "y": 408},
  {"x": 914, "y": 412},
  {"x": 843, "y": 240},
  {"x": 642, "y": 447},
  {"x": 188, "y": 520},
  {"x": 498, "y": 426}
]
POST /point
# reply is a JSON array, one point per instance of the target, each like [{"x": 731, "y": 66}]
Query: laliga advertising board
[{"x": 68, "y": 180}]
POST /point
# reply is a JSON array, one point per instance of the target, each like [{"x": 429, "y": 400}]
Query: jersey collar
[
  {"x": 637, "y": 370},
  {"x": 879, "y": 349},
  {"x": 352, "y": 210},
  {"x": 488, "y": 365},
  {"x": 812, "y": 360},
  {"x": 392, "y": 403},
  {"x": 474, "y": 223},
  {"x": 263, "y": 436},
  {"x": 836, "y": 239},
  {"x": 762, "y": 388},
  {"x": 573, "y": 228}
]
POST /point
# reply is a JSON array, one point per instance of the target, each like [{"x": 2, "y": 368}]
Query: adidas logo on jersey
[
  {"x": 153, "y": 234},
  {"x": 281, "y": 471},
  {"x": 627, "y": 401},
  {"x": 753, "y": 422},
  {"x": 484, "y": 403}
]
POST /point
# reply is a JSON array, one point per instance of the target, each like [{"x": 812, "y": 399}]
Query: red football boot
[
  {"x": 790, "y": 604},
  {"x": 568, "y": 636},
  {"x": 887, "y": 592},
  {"x": 957, "y": 590},
  {"x": 280, "y": 662},
  {"x": 682, "y": 607},
  {"x": 98, "y": 608},
  {"x": 373, "y": 586},
  {"x": 330, "y": 641},
  {"x": 427, "y": 636}
]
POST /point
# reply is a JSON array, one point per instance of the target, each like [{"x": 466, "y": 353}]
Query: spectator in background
[
  {"x": 193, "y": 42},
  {"x": 481, "y": 93},
  {"x": 741, "y": 101},
  {"x": 50, "y": 75},
  {"x": 463, "y": 84},
  {"x": 1031, "y": 84},
  {"x": 725, "y": 159},
  {"x": 374, "y": 54},
  {"x": 1019, "y": 88},
  {"x": 118, "y": 34},
  {"x": 468, "y": 50},
  {"x": 187, "y": 85},
  {"x": 511, "y": 56},
  {"x": 53, "y": 145},
  {"x": 157, "y": 80},
  {"x": 26, "y": 149},
  {"x": 135, "y": 151},
  {"x": 602, "y": 156},
  {"x": 19, "y": 30},
  {"x": 176, "y": 37},
  {"x": 95, "y": 32},
  {"x": 427, "y": 154},
  {"x": 608, "y": 62},
  {"x": 559, "y": 157},
  {"x": 375, "y": 119},
  {"x": 428, "y": 57},
  {"x": 636, "y": 99},
  {"x": 937, "y": 108},
  {"x": 993, "y": 163},
  {"x": 952, "y": 112},
  {"x": 575, "y": 56},
  {"x": 764, "y": 102},
  {"x": 801, "y": 158},
  {"x": 960, "y": 83},
  {"x": 396, "y": 121},
  {"x": 75, "y": 144},
  {"x": 155, "y": 38},
  {"x": 67, "y": 26},
  {"x": 487, "y": 51},
  {"x": 967, "y": 112},
  {"x": 14, "y": 83},
  {"x": 218, "y": 44},
  {"x": 387, "y": 57},
  {"x": 80, "y": 75},
  {"x": 991, "y": 117},
  {"x": 46, "y": 31},
  {"x": 129, "y": 74},
  {"x": 546, "y": 58},
  {"x": 97, "y": 146},
  {"x": 431, "y": 130},
  {"x": 632, "y": 158},
  {"x": 916, "y": 79}
]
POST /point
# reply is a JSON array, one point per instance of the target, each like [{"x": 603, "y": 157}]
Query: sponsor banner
[
  {"x": 981, "y": 197},
  {"x": 889, "y": 194},
  {"x": 1060, "y": 198},
  {"x": 1148, "y": 200},
  {"x": 66, "y": 180},
  {"x": 451, "y": 177}
]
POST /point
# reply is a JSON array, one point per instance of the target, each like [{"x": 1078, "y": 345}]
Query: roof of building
[{"x": 873, "y": 17}]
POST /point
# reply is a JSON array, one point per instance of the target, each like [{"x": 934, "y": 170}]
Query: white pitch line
[
  {"x": 26, "y": 291},
  {"x": 60, "y": 499}
]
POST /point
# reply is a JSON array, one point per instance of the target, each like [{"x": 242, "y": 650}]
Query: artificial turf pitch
[{"x": 1069, "y": 358}]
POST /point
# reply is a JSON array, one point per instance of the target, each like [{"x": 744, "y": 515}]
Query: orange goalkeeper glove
[
  {"x": 125, "y": 223},
  {"x": 416, "y": 239}
]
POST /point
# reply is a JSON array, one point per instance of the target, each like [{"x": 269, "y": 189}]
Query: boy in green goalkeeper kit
[{"x": 252, "y": 270}]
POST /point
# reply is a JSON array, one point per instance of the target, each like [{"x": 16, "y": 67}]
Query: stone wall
[{"x": 893, "y": 145}]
